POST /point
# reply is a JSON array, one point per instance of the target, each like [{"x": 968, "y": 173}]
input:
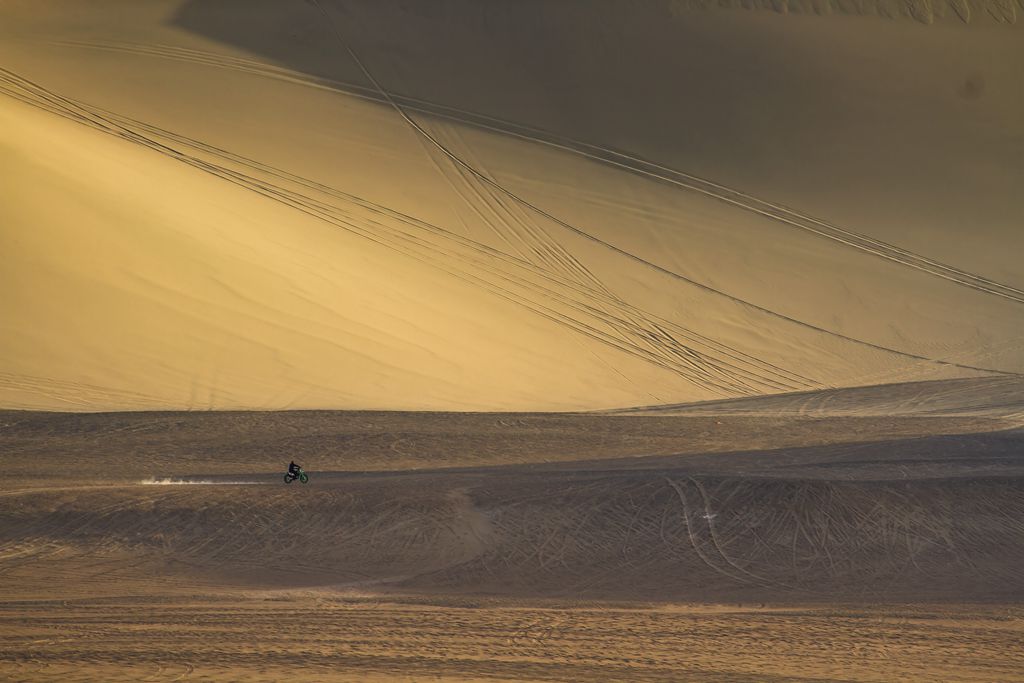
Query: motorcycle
[{"x": 301, "y": 476}]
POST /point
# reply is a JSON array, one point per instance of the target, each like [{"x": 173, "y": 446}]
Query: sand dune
[
  {"x": 647, "y": 341},
  {"x": 328, "y": 206}
]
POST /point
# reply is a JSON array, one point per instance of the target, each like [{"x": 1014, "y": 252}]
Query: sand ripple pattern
[
  {"x": 646, "y": 533},
  {"x": 332, "y": 638}
]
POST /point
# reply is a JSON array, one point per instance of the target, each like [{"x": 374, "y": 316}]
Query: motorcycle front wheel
[{"x": 304, "y": 478}]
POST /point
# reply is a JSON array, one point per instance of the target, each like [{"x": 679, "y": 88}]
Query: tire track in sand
[
  {"x": 674, "y": 275},
  {"x": 712, "y": 373},
  {"x": 771, "y": 210}
]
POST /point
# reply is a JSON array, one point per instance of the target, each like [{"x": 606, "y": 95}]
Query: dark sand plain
[{"x": 796, "y": 545}]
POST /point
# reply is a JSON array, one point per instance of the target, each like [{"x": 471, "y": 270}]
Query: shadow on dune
[
  {"x": 582, "y": 71},
  {"x": 765, "y": 102},
  {"x": 293, "y": 35}
]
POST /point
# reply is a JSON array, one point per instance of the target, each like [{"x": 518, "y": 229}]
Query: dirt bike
[{"x": 301, "y": 476}]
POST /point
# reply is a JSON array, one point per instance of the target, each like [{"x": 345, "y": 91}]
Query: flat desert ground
[
  {"x": 623, "y": 341},
  {"x": 790, "y": 538}
]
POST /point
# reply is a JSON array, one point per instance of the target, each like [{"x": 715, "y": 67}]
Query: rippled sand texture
[
  {"x": 695, "y": 544},
  {"x": 312, "y": 638}
]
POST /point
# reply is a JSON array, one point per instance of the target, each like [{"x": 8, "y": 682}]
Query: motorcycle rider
[{"x": 294, "y": 469}]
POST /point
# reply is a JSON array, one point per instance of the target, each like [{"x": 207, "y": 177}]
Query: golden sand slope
[{"x": 457, "y": 207}]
